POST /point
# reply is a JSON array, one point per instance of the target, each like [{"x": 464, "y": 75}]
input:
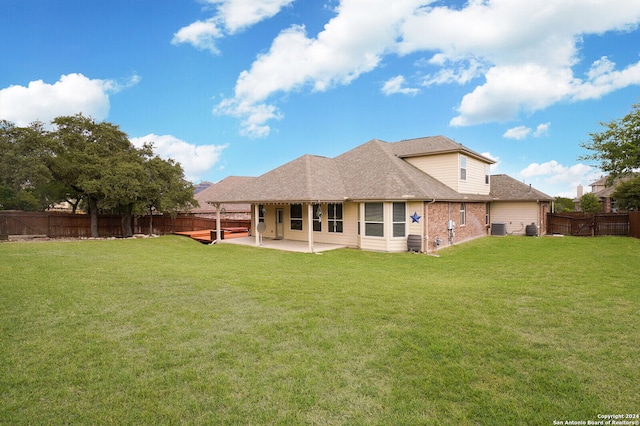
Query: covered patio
[{"x": 286, "y": 245}]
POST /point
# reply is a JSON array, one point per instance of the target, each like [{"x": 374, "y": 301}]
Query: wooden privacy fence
[
  {"x": 634, "y": 224},
  {"x": 587, "y": 225},
  {"x": 66, "y": 225}
]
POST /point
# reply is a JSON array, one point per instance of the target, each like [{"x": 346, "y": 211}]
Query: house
[
  {"x": 377, "y": 195},
  {"x": 603, "y": 190},
  {"x": 228, "y": 211},
  {"x": 603, "y": 193}
]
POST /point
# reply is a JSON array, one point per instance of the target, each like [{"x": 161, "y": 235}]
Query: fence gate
[{"x": 587, "y": 225}]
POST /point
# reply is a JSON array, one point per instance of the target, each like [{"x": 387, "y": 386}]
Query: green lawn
[{"x": 511, "y": 330}]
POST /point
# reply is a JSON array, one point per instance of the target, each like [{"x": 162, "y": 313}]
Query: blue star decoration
[{"x": 415, "y": 218}]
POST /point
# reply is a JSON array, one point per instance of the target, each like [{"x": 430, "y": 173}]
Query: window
[
  {"x": 334, "y": 216},
  {"x": 374, "y": 219},
  {"x": 317, "y": 217},
  {"x": 296, "y": 217},
  {"x": 487, "y": 213},
  {"x": 463, "y": 167},
  {"x": 399, "y": 221},
  {"x": 463, "y": 214},
  {"x": 261, "y": 211},
  {"x": 487, "y": 173}
]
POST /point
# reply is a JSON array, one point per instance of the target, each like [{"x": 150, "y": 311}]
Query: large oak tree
[
  {"x": 617, "y": 148},
  {"x": 99, "y": 163}
]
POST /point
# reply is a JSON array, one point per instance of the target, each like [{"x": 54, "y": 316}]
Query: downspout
[{"x": 425, "y": 214}]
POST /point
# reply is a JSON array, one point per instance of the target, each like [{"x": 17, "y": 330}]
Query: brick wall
[{"x": 439, "y": 215}]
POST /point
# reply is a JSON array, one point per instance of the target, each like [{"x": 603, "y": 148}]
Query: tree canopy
[
  {"x": 95, "y": 162},
  {"x": 627, "y": 194},
  {"x": 563, "y": 204},
  {"x": 617, "y": 148},
  {"x": 589, "y": 203}
]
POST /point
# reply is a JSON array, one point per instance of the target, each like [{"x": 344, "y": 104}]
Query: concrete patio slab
[{"x": 286, "y": 245}]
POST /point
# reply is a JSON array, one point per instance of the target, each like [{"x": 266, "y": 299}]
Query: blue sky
[{"x": 238, "y": 87}]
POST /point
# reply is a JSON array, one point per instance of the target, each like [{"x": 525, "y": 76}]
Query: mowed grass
[{"x": 511, "y": 330}]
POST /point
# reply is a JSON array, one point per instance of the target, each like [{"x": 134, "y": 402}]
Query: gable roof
[{"x": 506, "y": 188}]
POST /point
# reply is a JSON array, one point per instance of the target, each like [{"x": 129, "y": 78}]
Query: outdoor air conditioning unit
[{"x": 499, "y": 228}]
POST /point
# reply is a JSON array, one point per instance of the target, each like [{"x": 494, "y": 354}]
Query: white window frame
[
  {"x": 295, "y": 219},
  {"x": 335, "y": 217},
  {"x": 374, "y": 220},
  {"x": 463, "y": 167},
  {"x": 399, "y": 220}
]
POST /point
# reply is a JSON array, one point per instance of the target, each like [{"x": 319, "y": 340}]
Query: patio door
[{"x": 279, "y": 224}]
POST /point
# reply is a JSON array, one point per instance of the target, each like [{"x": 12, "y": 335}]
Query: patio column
[
  {"x": 217, "y": 222},
  {"x": 310, "y": 225},
  {"x": 256, "y": 221}
]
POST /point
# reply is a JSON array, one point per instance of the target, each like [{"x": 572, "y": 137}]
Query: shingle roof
[
  {"x": 307, "y": 178},
  {"x": 433, "y": 145},
  {"x": 374, "y": 170},
  {"x": 213, "y": 191},
  {"x": 506, "y": 188}
]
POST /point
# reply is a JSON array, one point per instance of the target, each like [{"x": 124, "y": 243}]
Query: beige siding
[
  {"x": 388, "y": 242},
  {"x": 415, "y": 228},
  {"x": 446, "y": 168},
  {"x": 348, "y": 237},
  {"x": 475, "y": 182},
  {"x": 516, "y": 214},
  {"x": 443, "y": 167}
]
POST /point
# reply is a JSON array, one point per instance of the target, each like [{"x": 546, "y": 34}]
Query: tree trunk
[
  {"x": 93, "y": 211},
  {"x": 127, "y": 230},
  {"x": 150, "y": 220}
]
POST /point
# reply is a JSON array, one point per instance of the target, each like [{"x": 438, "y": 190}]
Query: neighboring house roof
[
  {"x": 506, "y": 188},
  {"x": 374, "y": 170},
  {"x": 211, "y": 193},
  {"x": 608, "y": 191},
  {"x": 600, "y": 182},
  {"x": 201, "y": 186}
]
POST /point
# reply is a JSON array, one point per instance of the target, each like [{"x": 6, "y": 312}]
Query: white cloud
[
  {"x": 542, "y": 130},
  {"x": 72, "y": 94},
  {"x": 494, "y": 166},
  {"x": 200, "y": 34},
  {"x": 240, "y": 14},
  {"x": 520, "y": 132},
  {"x": 352, "y": 43},
  {"x": 524, "y": 52},
  {"x": 194, "y": 159},
  {"x": 231, "y": 17},
  {"x": 563, "y": 180},
  {"x": 396, "y": 85},
  {"x": 461, "y": 73}
]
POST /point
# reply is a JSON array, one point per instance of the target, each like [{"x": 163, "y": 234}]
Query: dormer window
[{"x": 463, "y": 167}]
